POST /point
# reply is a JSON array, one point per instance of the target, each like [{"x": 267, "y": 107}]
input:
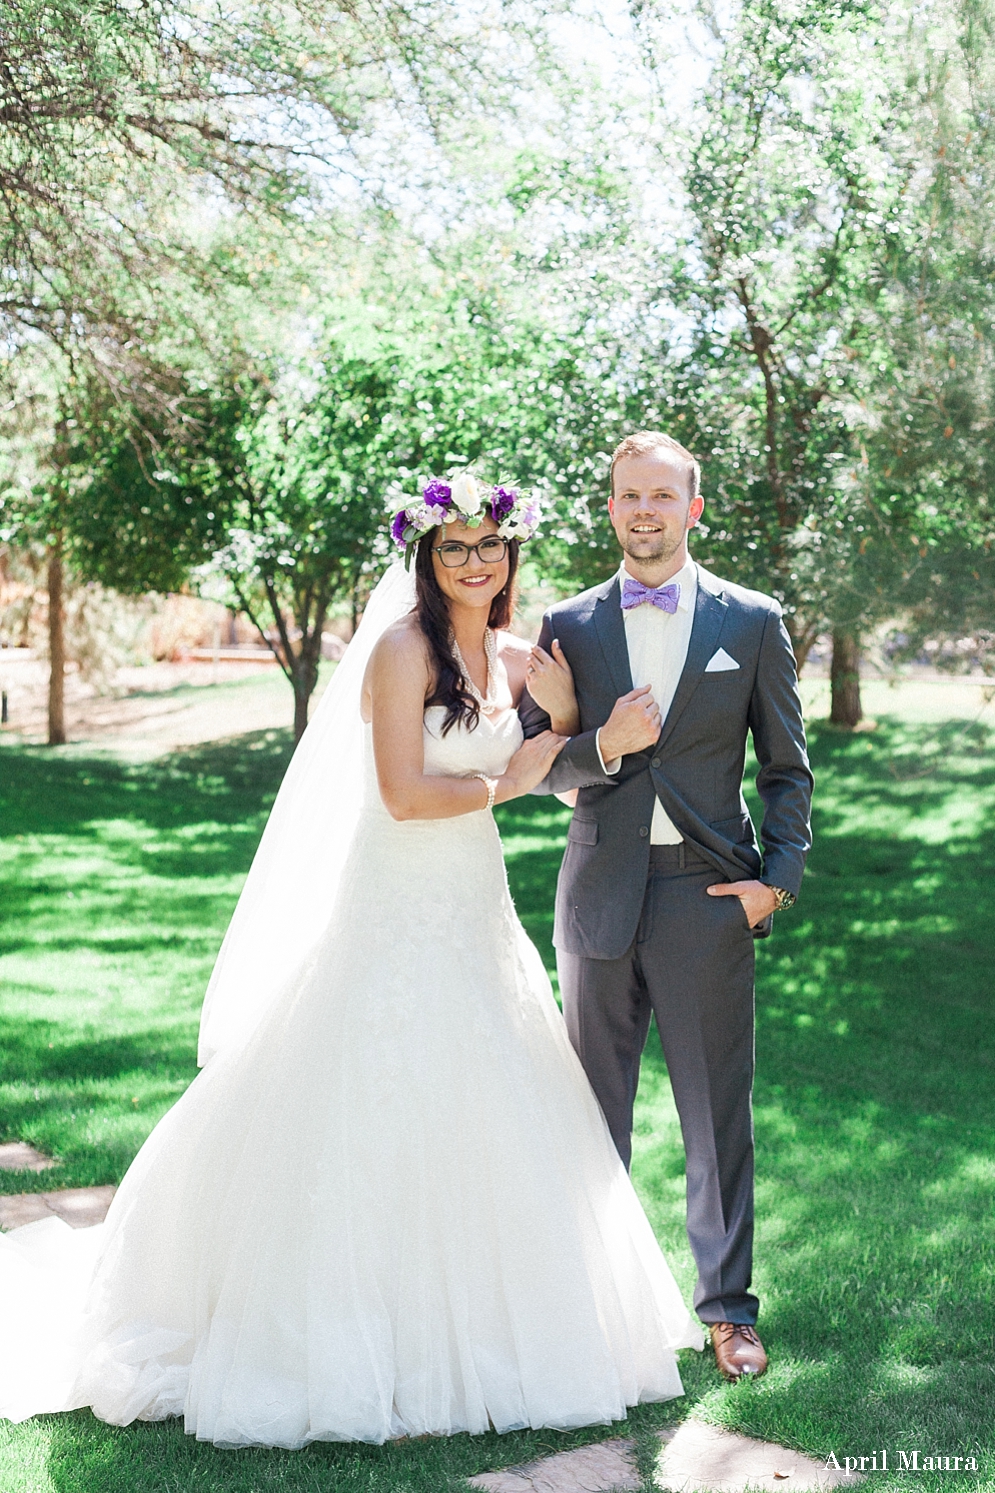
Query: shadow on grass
[
  {"x": 875, "y": 1106},
  {"x": 197, "y": 913},
  {"x": 875, "y": 1118},
  {"x": 85, "y": 1456},
  {"x": 32, "y": 1051},
  {"x": 230, "y": 783},
  {"x": 87, "y": 1103},
  {"x": 116, "y": 881}
]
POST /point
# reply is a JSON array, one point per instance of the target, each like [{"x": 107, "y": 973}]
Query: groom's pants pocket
[{"x": 729, "y": 906}]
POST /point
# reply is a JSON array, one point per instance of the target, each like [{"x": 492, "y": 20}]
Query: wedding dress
[{"x": 391, "y": 1208}]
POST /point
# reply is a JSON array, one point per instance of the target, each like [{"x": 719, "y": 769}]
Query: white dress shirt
[{"x": 658, "y": 647}]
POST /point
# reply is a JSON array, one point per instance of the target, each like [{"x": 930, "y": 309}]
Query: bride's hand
[
  {"x": 529, "y": 765},
  {"x": 549, "y": 680}
]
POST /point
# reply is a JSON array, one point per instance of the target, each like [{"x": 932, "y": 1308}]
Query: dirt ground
[
  {"x": 920, "y": 697},
  {"x": 153, "y": 710}
]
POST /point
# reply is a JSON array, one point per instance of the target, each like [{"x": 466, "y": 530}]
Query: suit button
[
  {"x": 655, "y": 762},
  {"x": 643, "y": 831}
]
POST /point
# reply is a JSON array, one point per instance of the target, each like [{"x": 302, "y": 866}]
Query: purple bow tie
[{"x": 634, "y": 593}]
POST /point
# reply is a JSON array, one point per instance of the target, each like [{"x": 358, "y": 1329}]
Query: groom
[{"x": 662, "y": 888}]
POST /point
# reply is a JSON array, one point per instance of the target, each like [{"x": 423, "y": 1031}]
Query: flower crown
[{"x": 462, "y": 500}]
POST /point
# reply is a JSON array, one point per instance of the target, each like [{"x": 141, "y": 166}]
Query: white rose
[{"x": 467, "y": 496}]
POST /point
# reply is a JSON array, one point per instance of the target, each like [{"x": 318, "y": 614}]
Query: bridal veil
[{"x": 291, "y": 887}]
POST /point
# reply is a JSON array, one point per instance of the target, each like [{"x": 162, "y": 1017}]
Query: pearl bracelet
[{"x": 490, "y": 784}]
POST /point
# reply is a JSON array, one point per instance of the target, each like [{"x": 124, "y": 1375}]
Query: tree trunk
[
  {"x": 305, "y": 679},
  {"x": 844, "y": 681},
  {"x": 56, "y": 648},
  {"x": 301, "y": 667},
  {"x": 301, "y": 699},
  {"x": 802, "y": 639}
]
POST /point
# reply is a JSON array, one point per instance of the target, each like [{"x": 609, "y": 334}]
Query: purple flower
[
  {"x": 398, "y": 525},
  {"x": 437, "y": 494},
  {"x": 503, "y": 500},
  {"x": 531, "y": 515}
]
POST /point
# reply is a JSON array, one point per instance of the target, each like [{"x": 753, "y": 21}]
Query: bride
[{"x": 389, "y": 1205}]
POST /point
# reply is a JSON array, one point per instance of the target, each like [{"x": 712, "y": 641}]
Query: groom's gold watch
[{"x": 784, "y": 899}]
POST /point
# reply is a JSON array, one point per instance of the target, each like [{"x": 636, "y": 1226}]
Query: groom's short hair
[{"x": 645, "y": 442}]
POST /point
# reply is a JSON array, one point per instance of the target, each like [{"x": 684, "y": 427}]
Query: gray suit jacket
[{"x": 695, "y": 768}]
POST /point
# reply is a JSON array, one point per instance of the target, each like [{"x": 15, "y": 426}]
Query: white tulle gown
[{"x": 395, "y": 1210}]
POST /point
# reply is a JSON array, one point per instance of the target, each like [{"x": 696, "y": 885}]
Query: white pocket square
[{"x": 719, "y": 662}]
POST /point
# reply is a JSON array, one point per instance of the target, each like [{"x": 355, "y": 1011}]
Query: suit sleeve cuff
[{"x": 608, "y": 768}]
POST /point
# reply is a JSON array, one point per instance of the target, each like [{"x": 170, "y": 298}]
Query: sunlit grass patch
[
  {"x": 116, "y": 883},
  {"x": 875, "y": 1100}
]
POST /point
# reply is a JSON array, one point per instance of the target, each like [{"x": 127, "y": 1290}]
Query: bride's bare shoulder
[
  {"x": 399, "y": 664},
  {"x": 402, "y": 643}
]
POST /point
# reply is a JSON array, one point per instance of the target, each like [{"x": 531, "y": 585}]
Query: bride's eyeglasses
[{"x": 491, "y": 550}]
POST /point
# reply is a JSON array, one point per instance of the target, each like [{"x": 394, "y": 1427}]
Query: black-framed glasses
[{"x": 491, "y": 551}]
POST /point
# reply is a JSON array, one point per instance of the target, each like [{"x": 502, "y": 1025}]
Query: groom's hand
[
  {"x": 530, "y": 764},
  {"x": 756, "y": 896},
  {"x": 633, "y": 725}
]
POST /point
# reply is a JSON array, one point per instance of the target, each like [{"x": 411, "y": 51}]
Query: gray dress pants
[{"x": 691, "y": 965}]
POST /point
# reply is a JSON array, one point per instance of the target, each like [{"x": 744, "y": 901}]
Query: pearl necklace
[{"x": 488, "y": 703}]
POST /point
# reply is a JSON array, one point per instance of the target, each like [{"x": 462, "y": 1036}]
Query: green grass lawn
[{"x": 875, "y": 1097}]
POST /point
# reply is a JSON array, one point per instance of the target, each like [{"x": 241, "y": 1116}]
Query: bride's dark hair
[{"x": 432, "y": 611}]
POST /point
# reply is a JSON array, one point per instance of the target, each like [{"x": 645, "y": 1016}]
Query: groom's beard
[{"x": 660, "y": 548}]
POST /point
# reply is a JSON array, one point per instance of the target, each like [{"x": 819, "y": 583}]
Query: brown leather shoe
[{"x": 738, "y": 1350}]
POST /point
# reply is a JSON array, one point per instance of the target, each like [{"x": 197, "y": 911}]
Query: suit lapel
[
  {"x": 610, "y": 625},
  {"x": 709, "y": 615}
]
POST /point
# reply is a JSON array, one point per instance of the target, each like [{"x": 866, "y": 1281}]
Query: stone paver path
[
  {"x": 18, "y": 1156},
  {"x": 694, "y": 1458},
  {"x": 589, "y": 1469},
  {"x": 705, "y": 1459},
  {"x": 79, "y": 1206}
]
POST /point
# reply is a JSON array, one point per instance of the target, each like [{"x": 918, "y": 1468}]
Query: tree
[
  {"x": 930, "y": 454},
  {"x": 114, "y": 115},
  {"x": 34, "y": 514},
  {"x": 125, "y": 126},
  {"x": 273, "y": 494},
  {"x": 802, "y": 325},
  {"x": 788, "y": 207},
  {"x": 55, "y": 424},
  {"x": 303, "y": 488}
]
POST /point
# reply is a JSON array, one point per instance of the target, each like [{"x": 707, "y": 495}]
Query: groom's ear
[{"x": 695, "y": 509}]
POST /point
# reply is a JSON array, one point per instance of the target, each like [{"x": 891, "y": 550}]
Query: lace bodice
[{"x": 488, "y": 748}]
